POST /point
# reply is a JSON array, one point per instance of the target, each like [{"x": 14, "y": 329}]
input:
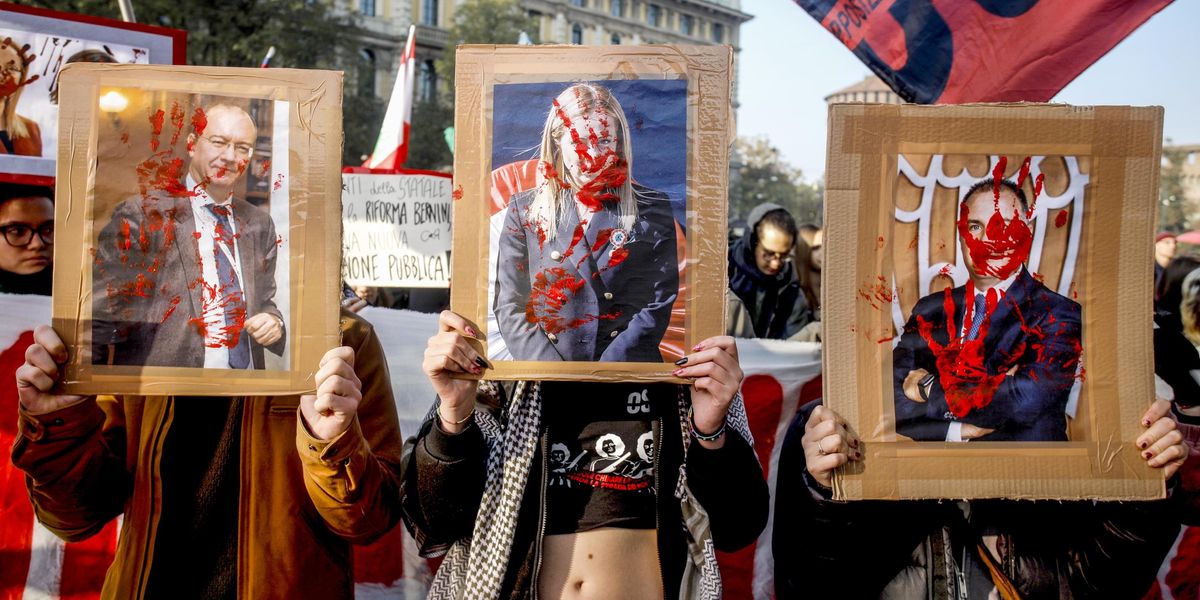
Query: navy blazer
[
  {"x": 566, "y": 299},
  {"x": 1029, "y": 405},
  {"x": 147, "y": 283}
]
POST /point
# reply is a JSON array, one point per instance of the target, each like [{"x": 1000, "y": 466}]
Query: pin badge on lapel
[{"x": 619, "y": 237}]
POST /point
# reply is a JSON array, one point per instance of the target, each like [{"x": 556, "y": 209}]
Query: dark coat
[
  {"x": 919, "y": 549},
  {"x": 1030, "y": 405},
  {"x": 776, "y": 304},
  {"x": 569, "y": 299},
  {"x": 147, "y": 281}
]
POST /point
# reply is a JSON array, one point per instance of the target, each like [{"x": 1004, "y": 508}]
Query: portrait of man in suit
[
  {"x": 184, "y": 272},
  {"x": 995, "y": 359}
]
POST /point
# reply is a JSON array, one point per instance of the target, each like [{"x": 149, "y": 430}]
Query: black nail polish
[
  {"x": 681, "y": 362},
  {"x": 482, "y": 363}
]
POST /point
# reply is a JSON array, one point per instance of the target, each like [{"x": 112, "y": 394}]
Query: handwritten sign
[{"x": 396, "y": 230}]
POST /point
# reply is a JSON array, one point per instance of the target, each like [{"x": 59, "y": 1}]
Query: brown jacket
[{"x": 91, "y": 461}]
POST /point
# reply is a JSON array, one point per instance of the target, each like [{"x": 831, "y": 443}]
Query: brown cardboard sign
[
  {"x": 590, "y": 196},
  {"x": 199, "y": 242},
  {"x": 991, "y": 335}
]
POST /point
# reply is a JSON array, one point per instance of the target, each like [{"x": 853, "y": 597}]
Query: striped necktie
[
  {"x": 231, "y": 299},
  {"x": 976, "y": 317}
]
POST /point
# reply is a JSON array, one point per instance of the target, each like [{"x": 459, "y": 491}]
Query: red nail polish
[
  {"x": 1145, "y": 422},
  {"x": 1147, "y": 455},
  {"x": 1142, "y": 445}
]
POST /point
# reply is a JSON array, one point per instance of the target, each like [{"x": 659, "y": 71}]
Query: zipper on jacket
[
  {"x": 537, "y": 554},
  {"x": 961, "y": 576},
  {"x": 658, "y": 501}
]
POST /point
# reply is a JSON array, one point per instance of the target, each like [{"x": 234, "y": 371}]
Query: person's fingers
[
  {"x": 1158, "y": 448},
  {"x": 820, "y": 414},
  {"x": 327, "y": 405},
  {"x": 456, "y": 348},
  {"x": 37, "y": 356},
  {"x": 336, "y": 368},
  {"x": 46, "y": 337},
  {"x": 445, "y": 360},
  {"x": 707, "y": 369},
  {"x": 822, "y": 466},
  {"x": 450, "y": 321},
  {"x": 1158, "y": 409},
  {"x": 29, "y": 376},
  {"x": 1174, "y": 453},
  {"x": 345, "y": 353},
  {"x": 1160, "y": 428},
  {"x": 723, "y": 342},
  {"x": 339, "y": 386}
]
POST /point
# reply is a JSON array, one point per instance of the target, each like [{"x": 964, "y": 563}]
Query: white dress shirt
[{"x": 216, "y": 350}]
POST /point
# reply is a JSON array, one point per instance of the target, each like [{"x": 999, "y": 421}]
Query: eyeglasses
[
  {"x": 220, "y": 143},
  {"x": 784, "y": 257},
  {"x": 20, "y": 234}
]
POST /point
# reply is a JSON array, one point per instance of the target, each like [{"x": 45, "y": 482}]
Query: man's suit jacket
[
  {"x": 148, "y": 280},
  {"x": 1033, "y": 328},
  {"x": 612, "y": 310}
]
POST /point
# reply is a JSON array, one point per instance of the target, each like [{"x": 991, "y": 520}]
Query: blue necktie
[
  {"x": 233, "y": 303},
  {"x": 976, "y": 317}
]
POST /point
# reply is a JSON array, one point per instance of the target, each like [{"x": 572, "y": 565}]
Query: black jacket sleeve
[
  {"x": 444, "y": 483},
  {"x": 838, "y": 549},
  {"x": 729, "y": 484}
]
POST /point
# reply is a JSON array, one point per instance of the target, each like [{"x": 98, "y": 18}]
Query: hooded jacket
[{"x": 776, "y": 304}]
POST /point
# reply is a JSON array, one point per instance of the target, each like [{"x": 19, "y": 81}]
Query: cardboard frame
[
  {"x": 1123, "y": 145},
  {"x": 309, "y": 180},
  {"x": 707, "y": 71},
  {"x": 163, "y": 46}
]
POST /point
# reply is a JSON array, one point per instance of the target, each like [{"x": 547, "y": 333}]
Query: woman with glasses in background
[{"x": 26, "y": 239}]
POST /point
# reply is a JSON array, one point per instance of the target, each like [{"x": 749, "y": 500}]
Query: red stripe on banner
[
  {"x": 763, "y": 395},
  {"x": 1184, "y": 577},
  {"x": 381, "y": 561},
  {"x": 85, "y": 564},
  {"x": 16, "y": 513}
]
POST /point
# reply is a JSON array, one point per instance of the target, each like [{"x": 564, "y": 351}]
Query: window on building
[
  {"x": 579, "y": 3},
  {"x": 616, "y": 40},
  {"x": 718, "y": 33},
  {"x": 367, "y": 7},
  {"x": 686, "y": 24},
  {"x": 366, "y": 72},
  {"x": 653, "y": 15},
  {"x": 616, "y": 8},
  {"x": 576, "y": 34},
  {"x": 427, "y": 83},
  {"x": 429, "y": 12}
]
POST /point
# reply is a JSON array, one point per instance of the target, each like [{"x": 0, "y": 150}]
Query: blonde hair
[
  {"x": 555, "y": 185},
  {"x": 16, "y": 125}
]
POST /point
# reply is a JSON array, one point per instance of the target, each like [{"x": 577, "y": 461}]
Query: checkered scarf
[{"x": 474, "y": 567}]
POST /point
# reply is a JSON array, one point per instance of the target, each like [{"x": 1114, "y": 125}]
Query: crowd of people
[{"x": 624, "y": 493}]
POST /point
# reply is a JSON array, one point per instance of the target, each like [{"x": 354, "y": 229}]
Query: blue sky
[{"x": 789, "y": 64}]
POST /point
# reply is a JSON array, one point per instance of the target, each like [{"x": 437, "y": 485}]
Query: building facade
[
  {"x": 870, "y": 89},
  {"x": 590, "y": 22}
]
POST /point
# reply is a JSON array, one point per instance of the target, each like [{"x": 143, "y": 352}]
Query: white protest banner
[{"x": 396, "y": 229}]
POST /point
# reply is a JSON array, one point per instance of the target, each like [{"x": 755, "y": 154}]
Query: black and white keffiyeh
[{"x": 474, "y": 567}]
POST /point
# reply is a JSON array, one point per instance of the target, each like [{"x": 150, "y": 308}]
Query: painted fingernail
[
  {"x": 1146, "y": 455},
  {"x": 681, "y": 362},
  {"x": 853, "y": 443},
  {"x": 696, "y": 348},
  {"x": 482, "y": 363},
  {"x": 471, "y": 331},
  {"x": 1145, "y": 422},
  {"x": 1142, "y": 445},
  {"x": 676, "y": 372}
]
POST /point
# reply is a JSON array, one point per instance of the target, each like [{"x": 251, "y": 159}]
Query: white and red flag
[{"x": 391, "y": 148}]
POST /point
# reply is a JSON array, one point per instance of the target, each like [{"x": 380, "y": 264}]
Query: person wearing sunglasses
[{"x": 26, "y": 239}]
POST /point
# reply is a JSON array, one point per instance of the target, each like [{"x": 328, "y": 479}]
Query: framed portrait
[
  {"x": 35, "y": 44},
  {"x": 596, "y": 178},
  {"x": 175, "y": 273},
  {"x": 992, "y": 336}
]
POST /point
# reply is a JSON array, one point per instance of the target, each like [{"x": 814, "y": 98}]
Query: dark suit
[
  {"x": 610, "y": 312},
  {"x": 148, "y": 279},
  {"x": 1029, "y": 405}
]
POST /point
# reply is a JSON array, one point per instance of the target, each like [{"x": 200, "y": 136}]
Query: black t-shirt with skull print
[{"x": 600, "y": 456}]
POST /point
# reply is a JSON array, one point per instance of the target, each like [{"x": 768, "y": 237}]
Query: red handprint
[{"x": 10, "y": 80}]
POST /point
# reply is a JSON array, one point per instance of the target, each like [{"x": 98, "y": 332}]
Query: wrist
[{"x": 454, "y": 418}]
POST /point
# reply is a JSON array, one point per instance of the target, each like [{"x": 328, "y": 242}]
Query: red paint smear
[
  {"x": 1061, "y": 219},
  {"x": 913, "y": 244},
  {"x": 265, "y": 169},
  {"x": 879, "y": 243},
  {"x": 886, "y": 339},
  {"x": 174, "y": 305},
  {"x": 165, "y": 175},
  {"x": 1007, "y": 245},
  {"x": 575, "y": 239},
  {"x": 602, "y": 237},
  {"x": 278, "y": 182},
  {"x": 177, "y": 116},
  {"x": 156, "y": 124},
  {"x": 125, "y": 137},
  {"x": 458, "y": 193},
  {"x": 550, "y": 292},
  {"x": 878, "y": 293},
  {"x": 199, "y": 124},
  {"x": 617, "y": 257}
]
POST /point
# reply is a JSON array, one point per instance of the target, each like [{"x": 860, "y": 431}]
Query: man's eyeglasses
[
  {"x": 20, "y": 234},
  {"x": 784, "y": 257},
  {"x": 220, "y": 143}
]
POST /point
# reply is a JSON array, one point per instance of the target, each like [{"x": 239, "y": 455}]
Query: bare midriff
[{"x": 601, "y": 564}]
